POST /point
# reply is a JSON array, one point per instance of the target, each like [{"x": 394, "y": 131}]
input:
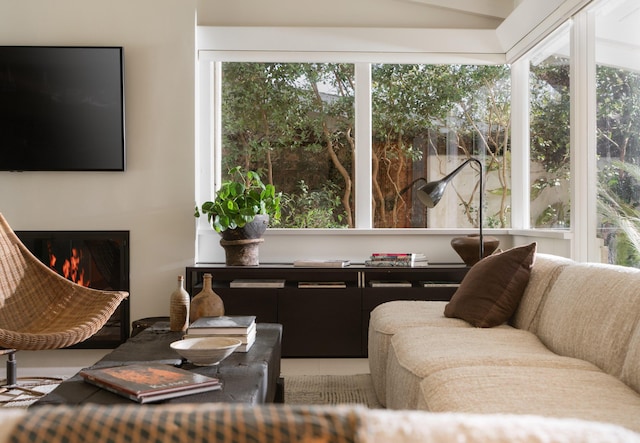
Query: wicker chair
[{"x": 40, "y": 309}]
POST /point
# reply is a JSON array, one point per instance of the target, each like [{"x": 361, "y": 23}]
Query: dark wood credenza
[{"x": 323, "y": 322}]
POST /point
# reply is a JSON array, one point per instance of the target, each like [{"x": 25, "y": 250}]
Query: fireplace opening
[{"x": 96, "y": 259}]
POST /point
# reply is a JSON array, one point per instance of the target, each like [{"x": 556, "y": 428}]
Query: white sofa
[{"x": 571, "y": 349}]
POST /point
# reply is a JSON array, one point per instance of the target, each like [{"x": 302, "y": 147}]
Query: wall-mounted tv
[{"x": 62, "y": 108}]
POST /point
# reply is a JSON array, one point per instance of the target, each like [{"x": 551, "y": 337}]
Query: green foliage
[
  {"x": 620, "y": 218},
  {"x": 238, "y": 202},
  {"x": 313, "y": 208}
]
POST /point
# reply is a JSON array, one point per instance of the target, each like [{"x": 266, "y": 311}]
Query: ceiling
[{"x": 497, "y": 9}]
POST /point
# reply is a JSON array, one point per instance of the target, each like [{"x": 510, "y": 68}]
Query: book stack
[
  {"x": 387, "y": 259},
  {"x": 242, "y": 327}
]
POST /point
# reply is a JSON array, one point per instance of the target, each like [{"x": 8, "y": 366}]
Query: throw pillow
[{"x": 490, "y": 292}]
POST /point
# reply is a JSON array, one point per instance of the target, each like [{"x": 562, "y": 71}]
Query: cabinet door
[
  {"x": 261, "y": 302},
  {"x": 320, "y": 322}
]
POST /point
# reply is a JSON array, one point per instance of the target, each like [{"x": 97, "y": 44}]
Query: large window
[
  {"x": 294, "y": 123},
  {"x": 549, "y": 115},
  {"x": 617, "y": 83},
  {"x": 427, "y": 119}
]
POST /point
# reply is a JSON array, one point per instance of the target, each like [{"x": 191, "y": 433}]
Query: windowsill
[
  {"x": 563, "y": 234},
  {"x": 281, "y": 232}
]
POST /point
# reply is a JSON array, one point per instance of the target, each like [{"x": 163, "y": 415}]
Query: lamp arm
[
  {"x": 481, "y": 204},
  {"x": 410, "y": 185},
  {"x": 480, "y": 219}
]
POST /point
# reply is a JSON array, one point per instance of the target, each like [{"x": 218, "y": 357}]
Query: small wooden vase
[
  {"x": 206, "y": 303},
  {"x": 179, "y": 307}
]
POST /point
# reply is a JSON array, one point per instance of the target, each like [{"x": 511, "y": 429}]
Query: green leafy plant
[{"x": 238, "y": 201}]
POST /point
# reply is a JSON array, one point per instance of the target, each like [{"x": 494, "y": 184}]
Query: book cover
[
  {"x": 223, "y": 325},
  {"x": 257, "y": 283},
  {"x": 150, "y": 382},
  {"x": 322, "y": 263}
]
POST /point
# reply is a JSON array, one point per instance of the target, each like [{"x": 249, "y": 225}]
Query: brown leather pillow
[{"x": 491, "y": 291}]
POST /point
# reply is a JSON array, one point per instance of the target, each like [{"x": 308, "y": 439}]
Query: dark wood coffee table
[{"x": 252, "y": 377}]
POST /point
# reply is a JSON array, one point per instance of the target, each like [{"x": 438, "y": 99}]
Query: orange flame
[{"x": 71, "y": 268}]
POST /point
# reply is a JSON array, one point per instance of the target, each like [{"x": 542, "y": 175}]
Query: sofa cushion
[
  {"x": 631, "y": 368},
  {"x": 491, "y": 291},
  {"x": 389, "y": 318},
  {"x": 383, "y": 426},
  {"x": 416, "y": 353},
  {"x": 552, "y": 392},
  {"x": 543, "y": 275},
  {"x": 591, "y": 313}
]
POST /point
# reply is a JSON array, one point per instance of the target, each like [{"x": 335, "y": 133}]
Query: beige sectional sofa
[{"x": 570, "y": 349}]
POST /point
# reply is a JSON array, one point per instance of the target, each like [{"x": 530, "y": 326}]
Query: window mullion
[
  {"x": 363, "y": 129},
  {"x": 520, "y": 146},
  {"x": 583, "y": 140}
]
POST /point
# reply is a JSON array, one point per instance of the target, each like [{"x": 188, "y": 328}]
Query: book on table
[
  {"x": 223, "y": 325},
  {"x": 149, "y": 382},
  {"x": 247, "y": 339},
  {"x": 321, "y": 263}
]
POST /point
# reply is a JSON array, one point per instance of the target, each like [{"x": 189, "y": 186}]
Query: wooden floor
[{"x": 67, "y": 362}]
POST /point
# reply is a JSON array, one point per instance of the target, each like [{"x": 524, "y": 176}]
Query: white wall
[{"x": 153, "y": 199}]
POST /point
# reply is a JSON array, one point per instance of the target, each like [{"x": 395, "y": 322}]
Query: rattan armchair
[{"x": 40, "y": 309}]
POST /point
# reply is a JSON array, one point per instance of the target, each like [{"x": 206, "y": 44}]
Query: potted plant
[{"x": 240, "y": 213}]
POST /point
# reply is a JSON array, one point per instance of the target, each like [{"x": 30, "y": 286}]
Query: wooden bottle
[
  {"x": 206, "y": 303},
  {"x": 179, "y": 307}
]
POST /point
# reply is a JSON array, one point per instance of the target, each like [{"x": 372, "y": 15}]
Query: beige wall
[{"x": 153, "y": 199}]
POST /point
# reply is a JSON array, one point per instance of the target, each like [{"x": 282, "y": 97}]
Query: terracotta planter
[{"x": 241, "y": 245}]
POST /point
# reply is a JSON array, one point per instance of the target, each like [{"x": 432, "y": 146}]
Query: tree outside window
[{"x": 294, "y": 123}]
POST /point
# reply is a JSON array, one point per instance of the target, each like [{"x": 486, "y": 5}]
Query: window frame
[{"x": 320, "y": 45}]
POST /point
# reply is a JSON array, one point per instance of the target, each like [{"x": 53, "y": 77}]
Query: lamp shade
[{"x": 431, "y": 193}]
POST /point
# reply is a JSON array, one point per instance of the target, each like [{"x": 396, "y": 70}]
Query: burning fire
[{"x": 71, "y": 268}]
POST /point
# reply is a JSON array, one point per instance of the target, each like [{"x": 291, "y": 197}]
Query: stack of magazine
[
  {"x": 242, "y": 327},
  {"x": 392, "y": 259}
]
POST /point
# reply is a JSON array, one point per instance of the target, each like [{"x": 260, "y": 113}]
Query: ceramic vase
[
  {"x": 468, "y": 247},
  {"x": 206, "y": 303},
  {"x": 179, "y": 307}
]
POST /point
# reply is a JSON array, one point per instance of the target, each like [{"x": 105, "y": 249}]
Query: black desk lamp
[{"x": 431, "y": 193}]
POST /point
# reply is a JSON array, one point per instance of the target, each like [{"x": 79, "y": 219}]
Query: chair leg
[
  {"x": 11, "y": 382},
  {"x": 12, "y": 369}
]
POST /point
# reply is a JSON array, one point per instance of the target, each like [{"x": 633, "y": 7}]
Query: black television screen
[{"x": 62, "y": 108}]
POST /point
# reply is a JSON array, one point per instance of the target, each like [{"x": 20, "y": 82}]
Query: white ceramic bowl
[{"x": 206, "y": 351}]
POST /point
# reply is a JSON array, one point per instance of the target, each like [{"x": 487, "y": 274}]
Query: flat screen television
[{"x": 62, "y": 108}]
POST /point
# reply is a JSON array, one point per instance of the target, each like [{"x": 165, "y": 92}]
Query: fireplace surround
[{"x": 96, "y": 259}]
